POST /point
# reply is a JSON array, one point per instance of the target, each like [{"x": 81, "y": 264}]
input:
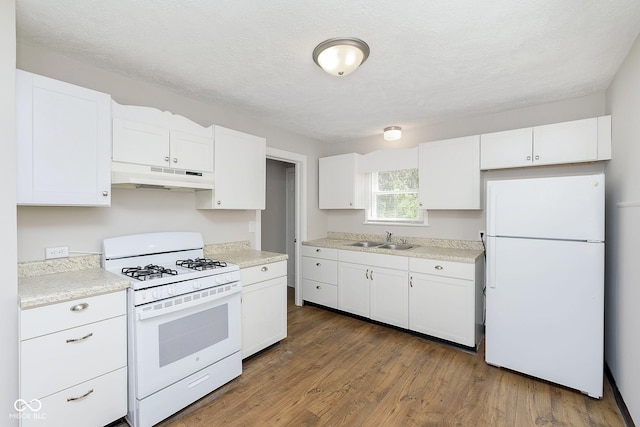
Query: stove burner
[
  {"x": 147, "y": 272},
  {"x": 200, "y": 264}
]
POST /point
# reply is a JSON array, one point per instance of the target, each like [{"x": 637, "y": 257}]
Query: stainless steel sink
[
  {"x": 395, "y": 246},
  {"x": 366, "y": 244}
]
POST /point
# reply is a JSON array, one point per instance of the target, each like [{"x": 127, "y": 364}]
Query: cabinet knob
[
  {"x": 350, "y": 204},
  {"x": 537, "y": 157},
  {"x": 317, "y": 264},
  {"x": 175, "y": 160},
  {"x": 438, "y": 267},
  {"x": 218, "y": 202},
  {"x": 528, "y": 157},
  {"x": 317, "y": 286},
  {"x": 420, "y": 204},
  {"x": 317, "y": 250},
  {"x": 105, "y": 193},
  {"x": 166, "y": 158},
  {"x": 265, "y": 268}
]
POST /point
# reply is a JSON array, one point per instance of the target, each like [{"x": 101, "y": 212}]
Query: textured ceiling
[{"x": 430, "y": 60}]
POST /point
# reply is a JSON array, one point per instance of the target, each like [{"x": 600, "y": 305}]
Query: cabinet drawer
[
  {"x": 320, "y": 270},
  {"x": 106, "y": 403},
  {"x": 320, "y": 293},
  {"x": 56, "y": 317},
  {"x": 460, "y": 270},
  {"x": 326, "y": 253},
  {"x": 263, "y": 272},
  {"x": 50, "y": 363}
]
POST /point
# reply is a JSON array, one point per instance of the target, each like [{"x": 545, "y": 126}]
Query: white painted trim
[
  {"x": 633, "y": 204},
  {"x": 300, "y": 162}
]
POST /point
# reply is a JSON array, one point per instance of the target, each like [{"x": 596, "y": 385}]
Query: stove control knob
[
  {"x": 196, "y": 285},
  {"x": 227, "y": 277},
  {"x": 170, "y": 290},
  {"x": 219, "y": 280},
  {"x": 156, "y": 294}
]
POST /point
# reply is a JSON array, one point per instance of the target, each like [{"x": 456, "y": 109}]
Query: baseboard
[{"x": 626, "y": 416}]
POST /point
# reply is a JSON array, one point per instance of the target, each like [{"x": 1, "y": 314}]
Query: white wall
[
  {"x": 464, "y": 225},
  {"x": 9, "y": 285},
  {"x": 622, "y": 295},
  {"x": 134, "y": 211}
]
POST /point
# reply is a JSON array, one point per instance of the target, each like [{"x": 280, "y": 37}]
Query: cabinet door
[
  {"x": 568, "y": 142},
  {"x": 389, "y": 296},
  {"x": 264, "y": 314},
  {"x": 240, "y": 172},
  {"x": 508, "y": 149},
  {"x": 443, "y": 307},
  {"x": 353, "y": 288},
  {"x": 450, "y": 174},
  {"x": 340, "y": 186},
  {"x": 140, "y": 143},
  {"x": 191, "y": 152},
  {"x": 63, "y": 137}
]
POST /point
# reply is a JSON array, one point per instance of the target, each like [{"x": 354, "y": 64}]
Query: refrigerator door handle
[{"x": 491, "y": 262}]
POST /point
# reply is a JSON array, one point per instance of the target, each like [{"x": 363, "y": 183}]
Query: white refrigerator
[{"x": 545, "y": 279}]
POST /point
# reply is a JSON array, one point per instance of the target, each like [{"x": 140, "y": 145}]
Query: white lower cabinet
[
  {"x": 73, "y": 361},
  {"x": 320, "y": 276},
  {"x": 264, "y": 306},
  {"x": 446, "y": 300},
  {"x": 373, "y": 286}
]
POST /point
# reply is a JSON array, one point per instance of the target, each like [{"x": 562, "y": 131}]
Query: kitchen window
[{"x": 393, "y": 198}]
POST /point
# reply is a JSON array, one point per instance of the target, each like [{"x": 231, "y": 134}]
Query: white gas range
[{"x": 184, "y": 321}]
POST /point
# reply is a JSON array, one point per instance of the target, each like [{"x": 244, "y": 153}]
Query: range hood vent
[{"x": 129, "y": 175}]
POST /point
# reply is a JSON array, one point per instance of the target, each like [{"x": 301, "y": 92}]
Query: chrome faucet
[{"x": 388, "y": 236}]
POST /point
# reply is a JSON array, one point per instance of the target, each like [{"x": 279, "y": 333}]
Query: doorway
[{"x": 283, "y": 222}]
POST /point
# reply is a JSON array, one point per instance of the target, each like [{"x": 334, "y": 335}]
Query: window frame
[{"x": 370, "y": 196}]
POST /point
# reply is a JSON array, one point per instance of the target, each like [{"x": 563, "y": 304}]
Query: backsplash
[{"x": 60, "y": 265}]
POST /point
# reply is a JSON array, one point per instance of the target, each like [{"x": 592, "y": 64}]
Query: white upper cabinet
[
  {"x": 340, "y": 186},
  {"x": 148, "y": 136},
  {"x": 450, "y": 174},
  {"x": 576, "y": 141},
  {"x": 63, "y": 135},
  {"x": 240, "y": 172}
]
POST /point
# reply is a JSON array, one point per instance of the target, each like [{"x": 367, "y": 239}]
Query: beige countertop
[
  {"x": 446, "y": 250},
  {"x": 36, "y": 291},
  {"x": 248, "y": 257}
]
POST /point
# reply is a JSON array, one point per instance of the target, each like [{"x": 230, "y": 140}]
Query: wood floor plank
[{"x": 336, "y": 370}]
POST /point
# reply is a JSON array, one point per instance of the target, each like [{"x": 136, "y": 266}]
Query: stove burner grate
[
  {"x": 147, "y": 272},
  {"x": 200, "y": 264}
]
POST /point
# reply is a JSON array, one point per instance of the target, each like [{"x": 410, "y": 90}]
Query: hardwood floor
[{"x": 335, "y": 370}]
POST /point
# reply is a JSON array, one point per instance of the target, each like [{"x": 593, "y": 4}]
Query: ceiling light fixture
[
  {"x": 391, "y": 133},
  {"x": 341, "y": 56}
]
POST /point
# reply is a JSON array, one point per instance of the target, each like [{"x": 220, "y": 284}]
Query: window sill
[{"x": 394, "y": 223}]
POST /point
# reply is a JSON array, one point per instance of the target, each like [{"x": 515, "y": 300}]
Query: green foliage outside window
[{"x": 394, "y": 195}]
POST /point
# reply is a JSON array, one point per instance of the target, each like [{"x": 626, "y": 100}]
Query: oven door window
[{"x": 188, "y": 335}]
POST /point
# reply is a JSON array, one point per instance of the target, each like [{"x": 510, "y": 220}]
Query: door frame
[{"x": 300, "y": 163}]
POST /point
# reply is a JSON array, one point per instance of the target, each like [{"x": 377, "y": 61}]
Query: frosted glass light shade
[
  {"x": 342, "y": 56},
  {"x": 392, "y": 133}
]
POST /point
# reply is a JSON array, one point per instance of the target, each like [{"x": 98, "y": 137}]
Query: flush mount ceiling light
[
  {"x": 391, "y": 133},
  {"x": 340, "y": 56}
]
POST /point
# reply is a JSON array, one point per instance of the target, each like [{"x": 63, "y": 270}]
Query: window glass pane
[
  {"x": 398, "y": 180},
  {"x": 397, "y": 206}
]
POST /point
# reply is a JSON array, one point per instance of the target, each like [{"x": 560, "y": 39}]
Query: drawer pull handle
[
  {"x": 317, "y": 250},
  {"x": 317, "y": 286},
  {"x": 438, "y": 267},
  {"x": 367, "y": 274},
  {"x": 73, "y": 399},
  {"x": 80, "y": 307},
  {"x": 90, "y": 334},
  {"x": 265, "y": 268},
  {"x": 317, "y": 264}
]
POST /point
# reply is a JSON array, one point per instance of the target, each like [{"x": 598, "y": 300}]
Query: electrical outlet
[
  {"x": 481, "y": 235},
  {"x": 57, "y": 252}
]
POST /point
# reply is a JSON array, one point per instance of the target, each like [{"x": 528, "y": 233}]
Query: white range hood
[{"x": 129, "y": 175}]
